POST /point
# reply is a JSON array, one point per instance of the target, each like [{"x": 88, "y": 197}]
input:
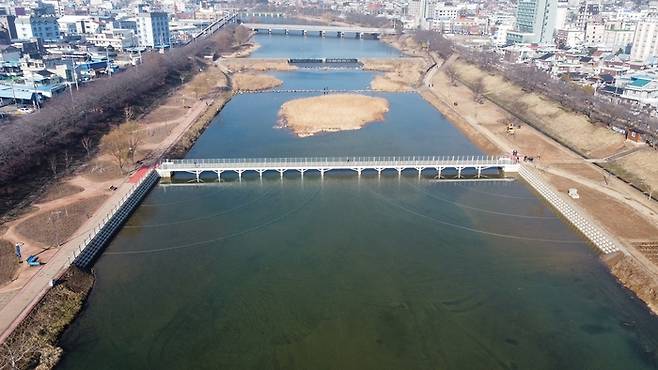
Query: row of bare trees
[
  {"x": 75, "y": 122},
  {"x": 603, "y": 109}
]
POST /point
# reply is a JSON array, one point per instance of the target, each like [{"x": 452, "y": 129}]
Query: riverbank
[
  {"x": 635, "y": 217},
  {"x": 166, "y": 130}
]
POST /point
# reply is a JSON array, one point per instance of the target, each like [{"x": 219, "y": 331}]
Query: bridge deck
[
  {"x": 319, "y": 28},
  {"x": 358, "y": 164}
]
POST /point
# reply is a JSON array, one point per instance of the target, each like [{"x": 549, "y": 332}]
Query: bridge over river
[
  {"x": 340, "y": 31},
  {"x": 478, "y": 164}
]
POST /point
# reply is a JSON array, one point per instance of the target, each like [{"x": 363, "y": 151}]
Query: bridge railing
[{"x": 408, "y": 161}]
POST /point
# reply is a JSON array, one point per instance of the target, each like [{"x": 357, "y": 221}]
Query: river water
[{"x": 351, "y": 273}]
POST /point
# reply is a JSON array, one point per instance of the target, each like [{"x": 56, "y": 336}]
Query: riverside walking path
[{"x": 20, "y": 304}]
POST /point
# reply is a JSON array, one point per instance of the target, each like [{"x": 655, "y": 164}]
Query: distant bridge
[
  {"x": 324, "y": 91},
  {"x": 340, "y": 31},
  {"x": 248, "y": 14},
  {"x": 214, "y": 26},
  {"x": 196, "y": 167}
]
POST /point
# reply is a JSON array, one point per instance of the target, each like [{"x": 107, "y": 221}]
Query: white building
[
  {"x": 153, "y": 29},
  {"x": 445, "y": 11},
  {"x": 118, "y": 39},
  {"x": 618, "y": 34},
  {"x": 78, "y": 25},
  {"x": 594, "y": 33},
  {"x": 44, "y": 27},
  {"x": 535, "y": 22},
  {"x": 645, "y": 41}
]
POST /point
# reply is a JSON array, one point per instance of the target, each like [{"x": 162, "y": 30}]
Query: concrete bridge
[
  {"x": 167, "y": 168},
  {"x": 262, "y": 14},
  {"x": 339, "y": 31},
  {"x": 215, "y": 26}
]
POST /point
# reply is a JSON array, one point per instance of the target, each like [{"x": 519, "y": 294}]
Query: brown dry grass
[
  {"x": 101, "y": 171},
  {"x": 8, "y": 261},
  {"x": 54, "y": 227},
  {"x": 384, "y": 84},
  {"x": 254, "y": 82},
  {"x": 260, "y": 65},
  {"x": 626, "y": 224},
  {"x": 405, "y": 71},
  {"x": 575, "y": 130},
  {"x": 328, "y": 113},
  {"x": 642, "y": 167},
  {"x": 60, "y": 190}
]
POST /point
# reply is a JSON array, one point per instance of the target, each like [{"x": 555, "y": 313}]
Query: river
[{"x": 351, "y": 273}]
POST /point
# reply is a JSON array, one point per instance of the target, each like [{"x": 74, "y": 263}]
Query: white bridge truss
[{"x": 358, "y": 164}]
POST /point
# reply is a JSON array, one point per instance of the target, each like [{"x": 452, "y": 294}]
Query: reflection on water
[
  {"x": 313, "y": 46},
  {"x": 348, "y": 272}
]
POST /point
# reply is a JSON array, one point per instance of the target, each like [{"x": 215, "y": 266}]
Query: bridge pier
[
  {"x": 459, "y": 172},
  {"x": 321, "y": 33},
  {"x": 281, "y": 171},
  {"x": 197, "y": 173},
  {"x": 260, "y": 173},
  {"x": 340, "y": 34},
  {"x": 420, "y": 170},
  {"x": 219, "y": 175},
  {"x": 399, "y": 169},
  {"x": 303, "y": 32},
  {"x": 479, "y": 172},
  {"x": 379, "y": 171},
  {"x": 439, "y": 169},
  {"x": 301, "y": 171},
  {"x": 285, "y": 31},
  {"x": 239, "y": 174},
  {"x": 269, "y": 31}
]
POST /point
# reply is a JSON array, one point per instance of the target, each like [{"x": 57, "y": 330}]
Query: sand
[
  {"x": 254, "y": 82},
  {"x": 330, "y": 113},
  {"x": 260, "y": 65},
  {"x": 383, "y": 83}
]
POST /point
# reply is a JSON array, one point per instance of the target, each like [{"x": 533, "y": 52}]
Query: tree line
[
  {"x": 598, "y": 108},
  {"x": 74, "y": 121}
]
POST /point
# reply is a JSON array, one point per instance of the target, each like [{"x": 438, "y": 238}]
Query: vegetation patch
[
  {"x": 33, "y": 344},
  {"x": 8, "y": 261},
  {"x": 254, "y": 82},
  {"x": 53, "y": 227},
  {"x": 330, "y": 113}
]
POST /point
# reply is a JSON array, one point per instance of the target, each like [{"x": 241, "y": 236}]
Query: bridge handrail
[{"x": 350, "y": 161}]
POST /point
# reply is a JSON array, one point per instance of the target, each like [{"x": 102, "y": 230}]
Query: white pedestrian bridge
[
  {"x": 320, "y": 29},
  {"x": 477, "y": 164}
]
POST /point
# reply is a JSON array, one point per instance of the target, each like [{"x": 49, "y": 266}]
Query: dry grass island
[
  {"x": 330, "y": 113},
  {"x": 254, "y": 82}
]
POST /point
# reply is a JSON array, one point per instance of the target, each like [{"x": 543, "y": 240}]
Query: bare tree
[
  {"x": 68, "y": 159},
  {"x": 452, "y": 75},
  {"x": 242, "y": 35},
  {"x": 87, "y": 143},
  {"x": 478, "y": 90},
  {"x": 52, "y": 164}
]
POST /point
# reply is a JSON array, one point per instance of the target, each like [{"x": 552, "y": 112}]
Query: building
[
  {"x": 645, "y": 40},
  {"x": 618, "y": 35},
  {"x": 43, "y": 27},
  {"x": 153, "y": 29},
  {"x": 118, "y": 39},
  {"x": 594, "y": 33},
  {"x": 535, "y": 22}
]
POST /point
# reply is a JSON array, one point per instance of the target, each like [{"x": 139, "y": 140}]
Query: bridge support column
[
  {"x": 479, "y": 172},
  {"x": 322, "y": 171},
  {"x": 359, "y": 35},
  {"x": 340, "y": 34},
  {"x": 301, "y": 171},
  {"x": 321, "y": 33},
  {"x": 219, "y": 175},
  {"x": 285, "y": 32},
  {"x": 269, "y": 31},
  {"x": 439, "y": 171},
  {"x": 379, "y": 171},
  {"x": 399, "y": 171},
  {"x": 420, "y": 170},
  {"x": 459, "y": 172},
  {"x": 197, "y": 174},
  {"x": 303, "y": 32},
  {"x": 260, "y": 173},
  {"x": 240, "y": 174},
  {"x": 281, "y": 171}
]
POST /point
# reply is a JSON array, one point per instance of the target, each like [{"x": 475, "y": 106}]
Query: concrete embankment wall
[
  {"x": 93, "y": 246},
  {"x": 599, "y": 237}
]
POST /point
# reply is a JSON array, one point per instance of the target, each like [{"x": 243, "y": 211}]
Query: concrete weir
[{"x": 94, "y": 245}]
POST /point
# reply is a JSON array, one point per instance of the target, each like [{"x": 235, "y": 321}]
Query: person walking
[{"x": 18, "y": 252}]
